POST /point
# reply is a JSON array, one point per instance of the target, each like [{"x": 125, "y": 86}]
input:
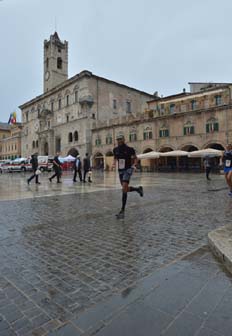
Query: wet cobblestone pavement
[{"x": 62, "y": 252}]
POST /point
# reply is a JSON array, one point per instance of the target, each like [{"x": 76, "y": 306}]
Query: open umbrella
[
  {"x": 210, "y": 152},
  {"x": 149, "y": 155},
  {"x": 174, "y": 153}
]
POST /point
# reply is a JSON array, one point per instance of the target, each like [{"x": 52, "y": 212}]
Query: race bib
[
  {"x": 228, "y": 163},
  {"x": 121, "y": 164}
]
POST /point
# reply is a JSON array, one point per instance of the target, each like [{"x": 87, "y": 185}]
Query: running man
[
  {"x": 127, "y": 161},
  {"x": 227, "y": 159}
]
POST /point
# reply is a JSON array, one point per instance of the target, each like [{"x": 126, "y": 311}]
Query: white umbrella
[
  {"x": 174, "y": 153},
  {"x": 205, "y": 152},
  {"x": 68, "y": 158},
  {"x": 149, "y": 155}
]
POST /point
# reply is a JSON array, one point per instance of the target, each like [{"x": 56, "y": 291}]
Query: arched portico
[
  {"x": 147, "y": 150},
  {"x": 215, "y": 145},
  {"x": 109, "y": 158},
  {"x": 98, "y": 160}
]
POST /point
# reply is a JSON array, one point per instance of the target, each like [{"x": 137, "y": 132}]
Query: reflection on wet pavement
[{"x": 62, "y": 251}]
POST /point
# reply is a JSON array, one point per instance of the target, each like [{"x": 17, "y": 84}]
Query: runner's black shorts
[{"x": 125, "y": 175}]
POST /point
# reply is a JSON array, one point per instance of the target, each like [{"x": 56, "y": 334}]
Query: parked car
[
  {"x": 24, "y": 164},
  {"x": 20, "y": 165},
  {"x": 4, "y": 164},
  {"x": 45, "y": 162}
]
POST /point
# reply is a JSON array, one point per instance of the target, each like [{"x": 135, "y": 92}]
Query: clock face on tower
[{"x": 47, "y": 75}]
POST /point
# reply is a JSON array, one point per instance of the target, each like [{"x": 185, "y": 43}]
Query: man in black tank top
[{"x": 127, "y": 161}]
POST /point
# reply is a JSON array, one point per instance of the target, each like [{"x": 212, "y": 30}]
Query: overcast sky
[{"x": 152, "y": 45}]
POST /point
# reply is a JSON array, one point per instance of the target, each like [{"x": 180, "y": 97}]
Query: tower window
[
  {"x": 59, "y": 63},
  {"x": 67, "y": 100},
  {"x": 47, "y": 63}
]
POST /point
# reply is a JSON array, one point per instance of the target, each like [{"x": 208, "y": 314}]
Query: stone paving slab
[{"x": 64, "y": 255}]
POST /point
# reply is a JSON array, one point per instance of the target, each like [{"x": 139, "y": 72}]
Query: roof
[
  {"x": 191, "y": 94},
  {"x": 177, "y": 95},
  {"x": 4, "y": 126},
  {"x": 212, "y": 83},
  {"x": 84, "y": 73}
]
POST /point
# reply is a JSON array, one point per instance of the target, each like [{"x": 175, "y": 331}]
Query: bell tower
[{"x": 55, "y": 62}]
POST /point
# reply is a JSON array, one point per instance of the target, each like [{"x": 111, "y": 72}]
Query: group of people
[
  {"x": 127, "y": 161},
  {"x": 57, "y": 167},
  {"x": 123, "y": 154}
]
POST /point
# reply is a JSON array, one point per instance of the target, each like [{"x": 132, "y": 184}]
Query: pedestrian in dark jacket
[
  {"x": 34, "y": 163},
  {"x": 77, "y": 169},
  {"x": 87, "y": 168},
  {"x": 57, "y": 168}
]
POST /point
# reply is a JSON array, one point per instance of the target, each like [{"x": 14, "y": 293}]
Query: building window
[
  {"x": 128, "y": 107},
  {"x": 133, "y": 135},
  {"x": 93, "y": 115},
  {"x": 218, "y": 100},
  {"x": 172, "y": 108},
  {"x": 163, "y": 133},
  {"x": 75, "y": 136},
  {"x": 188, "y": 130},
  {"x": 67, "y": 118},
  {"x": 47, "y": 62},
  {"x": 37, "y": 143},
  {"x": 76, "y": 96},
  {"x": 98, "y": 142},
  {"x": 114, "y": 104},
  {"x": 59, "y": 104},
  {"x": 33, "y": 144},
  {"x": 212, "y": 126},
  {"x": 52, "y": 106},
  {"x": 49, "y": 124},
  {"x": 109, "y": 139},
  {"x": 193, "y": 105},
  {"x": 59, "y": 63},
  {"x": 147, "y": 134},
  {"x": 70, "y": 137},
  {"x": 67, "y": 100}
]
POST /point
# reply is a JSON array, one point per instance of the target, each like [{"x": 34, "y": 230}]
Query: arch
[
  {"x": 215, "y": 145},
  {"x": 76, "y": 136},
  {"x": 98, "y": 160},
  {"x": 189, "y": 148},
  {"x": 109, "y": 153},
  {"x": 166, "y": 148},
  {"x": 147, "y": 150},
  {"x": 70, "y": 137},
  {"x": 73, "y": 151}
]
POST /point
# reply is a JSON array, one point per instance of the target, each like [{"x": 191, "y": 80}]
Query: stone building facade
[
  {"x": 65, "y": 114},
  {"x": 187, "y": 121},
  {"x": 10, "y": 142}
]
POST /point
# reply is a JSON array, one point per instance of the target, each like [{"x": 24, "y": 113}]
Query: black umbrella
[{"x": 73, "y": 151}]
